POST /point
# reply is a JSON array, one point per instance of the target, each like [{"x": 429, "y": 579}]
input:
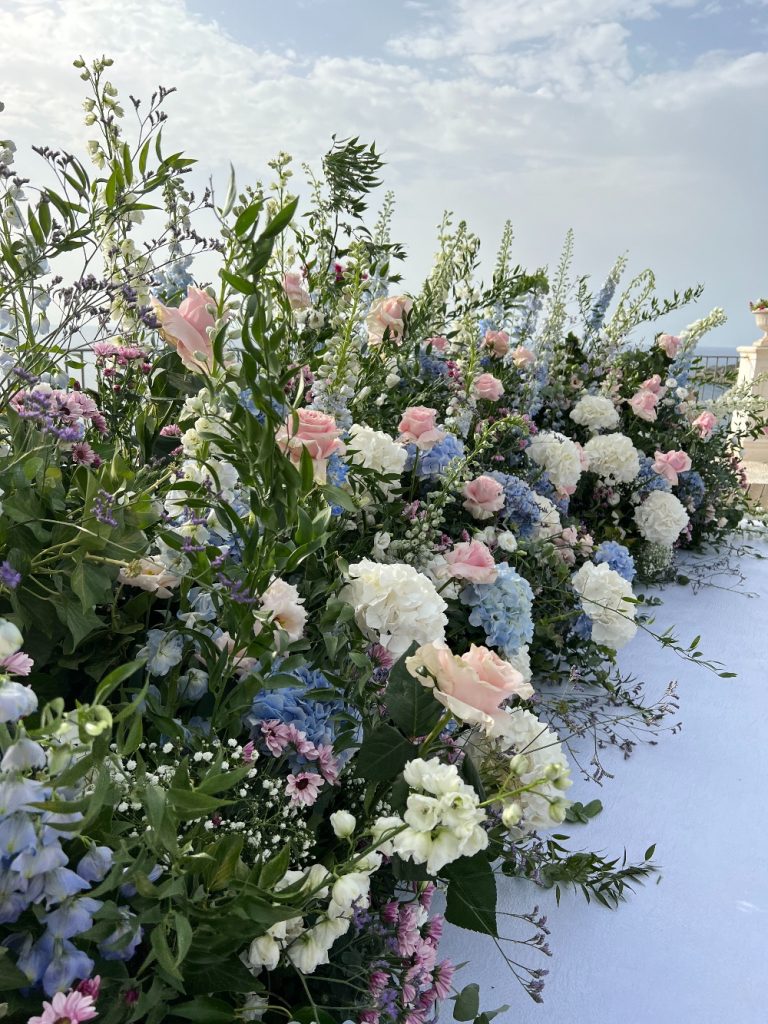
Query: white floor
[{"x": 694, "y": 948}]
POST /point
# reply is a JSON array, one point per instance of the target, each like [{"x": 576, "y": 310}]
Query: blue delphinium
[
  {"x": 691, "y": 489},
  {"x": 617, "y": 557},
  {"x": 337, "y": 471},
  {"x": 502, "y": 609},
  {"x": 317, "y": 718},
  {"x": 520, "y": 509},
  {"x": 433, "y": 463},
  {"x": 648, "y": 479}
]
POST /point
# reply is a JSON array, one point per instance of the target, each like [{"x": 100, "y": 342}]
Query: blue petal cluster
[
  {"x": 691, "y": 489},
  {"x": 546, "y": 489},
  {"x": 617, "y": 557},
  {"x": 337, "y": 471},
  {"x": 648, "y": 479},
  {"x": 433, "y": 464},
  {"x": 520, "y": 509},
  {"x": 502, "y": 609}
]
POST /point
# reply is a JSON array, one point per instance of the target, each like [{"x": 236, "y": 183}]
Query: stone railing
[{"x": 753, "y": 369}]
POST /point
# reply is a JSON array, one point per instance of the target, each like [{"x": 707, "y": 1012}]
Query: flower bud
[
  {"x": 343, "y": 824},
  {"x": 512, "y": 814}
]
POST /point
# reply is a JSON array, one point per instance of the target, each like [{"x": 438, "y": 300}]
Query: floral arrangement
[
  {"x": 293, "y": 569},
  {"x": 760, "y": 306}
]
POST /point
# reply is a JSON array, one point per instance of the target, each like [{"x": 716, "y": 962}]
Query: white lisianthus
[
  {"x": 595, "y": 412},
  {"x": 604, "y": 596},
  {"x": 558, "y": 456},
  {"x": 507, "y": 541},
  {"x": 613, "y": 457},
  {"x": 395, "y": 605},
  {"x": 343, "y": 824},
  {"x": 373, "y": 449},
  {"x": 661, "y": 518},
  {"x": 535, "y": 757}
]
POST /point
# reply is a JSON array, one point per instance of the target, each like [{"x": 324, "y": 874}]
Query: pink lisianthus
[
  {"x": 484, "y": 496},
  {"x": 488, "y": 387},
  {"x": 472, "y": 686},
  {"x": 72, "y": 1008},
  {"x": 186, "y": 328},
  {"x": 328, "y": 764},
  {"x": 317, "y": 432},
  {"x": 419, "y": 426},
  {"x": 472, "y": 561},
  {"x": 705, "y": 424},
  {"x": 497, "y": 342},
  {"x": 388, "y": 314},
  {"x": 669, "y": 464},
  {"x": 670, "y": 343},
  {"x": 146, "y": 574},
  {"x": 285, "y": 607},
  {"x": 522, "y": 356},
  {"x": 18, "y": 664},
  {"x": 296, "y": 291},
  {"x": 654, "y": 384},
  {"x": 303, "y": 788},
  {"x": 643, "y": 405}
]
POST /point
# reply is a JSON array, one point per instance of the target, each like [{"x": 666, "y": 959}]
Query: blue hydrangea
[
  {"x": 502, "y": 609},
  {"x": 617, "y": 557},
  {"x": 520, "y": 509},
  {"x": 435, "y": 462},
  {"x": 431, "y": 366},
  {"x": 582, "y": 627},
  {"x": 337, "y": 471},
  {"x": 648, "y": 479},
  {"x": 546, "y": 489},
  {"x": 318, "y": 718},
  {"x": 691, "y": 489}
]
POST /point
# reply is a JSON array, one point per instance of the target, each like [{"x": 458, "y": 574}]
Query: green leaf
[
  {"x": 281, "y": 220},
  {"x": 247, "y": 218},
  {"x": 306, "y": 1015},
  {"x": 275, "y": 868},
  {"x": 162, "y": 951},
  {"x": 190, "y": 803},
  {"x": 471, "y": 898},
  {"x": 10, "y": 976},
  {"x": 467, "y": 1003},
  {"x": 205, "y": 1010},
  {"x": 92, "y": 584},
  {"x": 383, "y": 755},
  {"x": 240, "y": 284},
  {"x": 183, "y": 937},
  {"x": 204, "y": 975},
  {"x": 411, "y": 706},
  {"x": 337, "y": 496}
]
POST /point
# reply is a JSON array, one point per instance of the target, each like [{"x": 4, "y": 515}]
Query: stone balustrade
[{"x": 753, "y": 368}]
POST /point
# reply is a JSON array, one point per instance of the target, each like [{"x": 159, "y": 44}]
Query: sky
[{"x": 641, "y": 124}]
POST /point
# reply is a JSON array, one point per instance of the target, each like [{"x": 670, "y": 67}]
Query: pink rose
[
  {"x": 497, "y": 342},
  {"x": 418, "y": 426},
  {"x": 705, "y": 424},
  {"x": 489, "y": 387},
  {"x": 295, "y": 290},
  {"x": 388, "y": 313},
  {"x": 471, "y": 561},
  {"x": 653, "y": 384},
  {"x": 484, "y": 496},
  {"x": 565, "y": 542},
  {"x": 438, "y": 343},
  {"x": 281, "y": 600},
  {"x": 472, "y": 686},
  {"x": 644, "y": 405},
  {"x": 317, "y": 432},
  {"x": 148, "y": 575},
  {"x": 187, "y": 328},
  {"x": 523, "y": 357},
  {"x": 670, "y": 343},
  {"x": 670, "y": 464}
]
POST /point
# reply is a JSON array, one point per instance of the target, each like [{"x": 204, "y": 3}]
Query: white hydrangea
[
  {"x": 549, "y": 524},
  {"x": 373, "y": 449},
  {"x": 535, "y": 756},
  {"x": 613, "y": 457},
  {"x": 442, "y": 821},
  {"x": 558, "y": 456},
  {"x": 603, "y": 596},
  {"x": 595, "y": 412},
  {"x": 220, "y": 476},
  {"x": 661, "y": 518},
  {"x": 522, "y": 662},
  {"x": 395, "y": 605}
]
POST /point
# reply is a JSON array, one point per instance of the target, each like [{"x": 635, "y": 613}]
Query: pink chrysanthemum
[
  {"x": 73, "y": 1008},
  {"x": 303, "y": 788}
]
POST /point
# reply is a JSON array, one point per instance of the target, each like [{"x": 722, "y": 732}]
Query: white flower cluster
[
  {"x": 604, "y": 596},
  {"x": 549, "y": 524},
  {"x": 210, "y": 418},
  {"x": 595, "y": 412},
  {"x": 558, "y": 456},
  {"x": 442, "y": 821},
  {"x": 373, "y": 449},
  {"x": 613, "y": 457},
  {"x": 395, "y": 605},
  {"x": 661, "y": 518},
  {"x": 534, "y": 754}
]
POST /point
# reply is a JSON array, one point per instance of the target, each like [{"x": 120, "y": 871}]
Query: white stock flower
[
  {"x": 613, "y": 457},
  {"x": 558, "y": 456},
  {"x": 373, "y": 449},
  {"x": 395, "y": 605},
  {"x": 595, "y": 412},
  {"x": 661, "y": 518},
  {"x": 603, "y": 593}
]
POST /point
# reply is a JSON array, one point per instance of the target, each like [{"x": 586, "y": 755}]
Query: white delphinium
[
  {"x": 604, "y": 599},
  {"x": 373, "y": 449},
  {"x": 442, "y": 821},
  {"x": 395, "y": 605},
  {"x": 613, "y": 457},
  {"x": 661, "y": 518},
  {"x": 558, "y": 456},
  {"x": 596, "y": 412},
  {"x": 694, "y": 332}
]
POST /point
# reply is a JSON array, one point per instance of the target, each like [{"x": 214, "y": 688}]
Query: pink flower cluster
[
  {"x": 315, "y": 431},
  {"x": 118, "y": 355},
  {"x": 405, "y": 985},
  {"x": 73, "y": 1007},
  {"x": 419, "y": 426},
  {"x": 705, "y": 424},
  {"x": 472, "y": 562},
  {"x": 302, "y": 787},
  {"x": 187, "y": 328},
  {"x": 643, "y": 403},
  {"x": 64, "y": 407},
  {"x": 669, "y": 464}
]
